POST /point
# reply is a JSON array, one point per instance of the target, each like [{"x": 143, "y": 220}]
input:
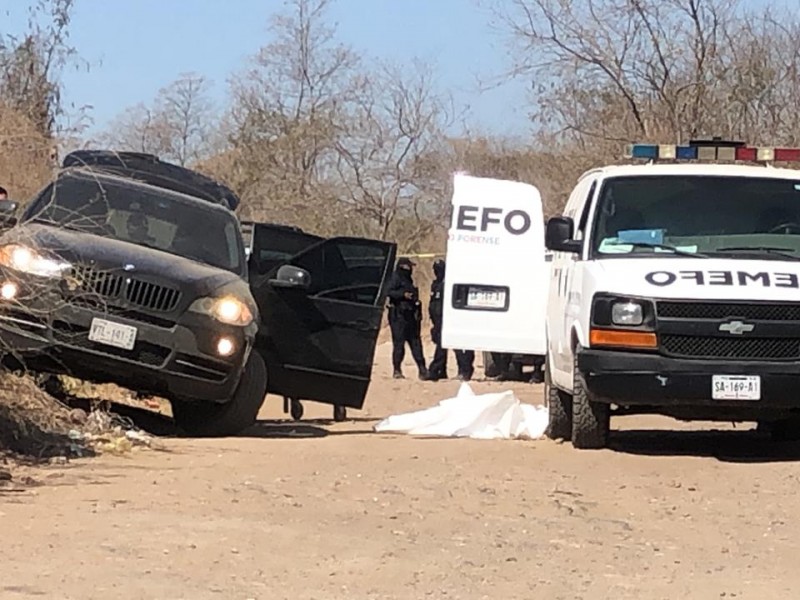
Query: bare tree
[
  {"x": 286, "y": 114},
  {"x": 30, "y": 64},
  {"x": 178, "y": 126},
  {"x": 397, "y": 118},
  {"x": 188, "y": 115},
  {"x": 622, "y": 70}
]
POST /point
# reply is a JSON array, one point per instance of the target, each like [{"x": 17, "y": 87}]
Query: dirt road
[{"x": 326, "y": 511}]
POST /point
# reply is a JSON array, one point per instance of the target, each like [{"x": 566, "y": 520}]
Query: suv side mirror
[
  {"x": 8, "y": 213},
  {"x": 558, "y": 235},
  {"x": 289, "y": 276}
]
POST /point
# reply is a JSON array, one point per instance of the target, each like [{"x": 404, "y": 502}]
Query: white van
[
  {"x": 497, "y": 277},
  {"x": 676, "y": 290}
]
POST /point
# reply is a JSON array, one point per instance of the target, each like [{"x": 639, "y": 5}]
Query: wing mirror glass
[{"x": 289, "y": 276}]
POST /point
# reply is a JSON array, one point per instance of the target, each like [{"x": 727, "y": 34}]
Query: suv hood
[
  {"x": 700, "y": 278},
  {"x": 116, "y": 255}
]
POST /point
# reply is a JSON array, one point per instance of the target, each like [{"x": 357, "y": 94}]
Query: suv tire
[
  {"x": 211, "y": 419},
  {"x": 590, "y": 420}
]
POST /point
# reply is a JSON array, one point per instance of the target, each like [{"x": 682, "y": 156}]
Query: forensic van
[
  {"x": 497, "y": 277},
  {"x": 676, "y": 290}
]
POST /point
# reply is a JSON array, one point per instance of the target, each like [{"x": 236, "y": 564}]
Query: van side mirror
[
  {"x": 289, "y": 276},
  {"x": 558, "y": 235}
]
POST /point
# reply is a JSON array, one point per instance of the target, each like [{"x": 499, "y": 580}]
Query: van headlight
[
  {"x": 628, "y": 314},
  {"x": 225, "y": 309},
  {"x": 28, "y": 260}
]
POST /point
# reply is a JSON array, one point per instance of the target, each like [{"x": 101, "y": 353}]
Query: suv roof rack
[{"x": 153, "y": 171}]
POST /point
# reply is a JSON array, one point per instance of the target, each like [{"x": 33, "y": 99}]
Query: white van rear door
[{"x": 496, "y": 279}]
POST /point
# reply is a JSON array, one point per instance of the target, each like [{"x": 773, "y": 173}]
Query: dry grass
[{"x": 32, "y": 423}]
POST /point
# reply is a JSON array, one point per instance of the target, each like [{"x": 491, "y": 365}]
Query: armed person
[
  {"x": 405, "y": 318},
  {"x": 464, "y": 358},
  {"x": 438, "y": 367}
]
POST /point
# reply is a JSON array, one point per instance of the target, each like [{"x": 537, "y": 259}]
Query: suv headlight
[
  {"x": 627, "y": 313},
  {"x": 225, "y": 309},
  {"x": 27, "y": 260}
]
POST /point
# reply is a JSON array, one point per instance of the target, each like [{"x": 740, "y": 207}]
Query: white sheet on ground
[{"x": 485, "y": 416}]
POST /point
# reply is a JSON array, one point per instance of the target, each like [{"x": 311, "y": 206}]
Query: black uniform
[
  {"x": 438, "y": 367},
  {"x": 466, "y": 364},
  {"x": 405, "y": 318},
  {"x": 464, "y": 358}
]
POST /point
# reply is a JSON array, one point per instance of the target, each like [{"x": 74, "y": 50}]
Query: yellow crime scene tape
[{"x": 426, "y": 255}]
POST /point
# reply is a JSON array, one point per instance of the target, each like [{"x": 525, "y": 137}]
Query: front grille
[
  {"x": 728, "y": 310},
  {"x": 752, "y": 348},
  {"x": 151, "y": 295},
  {"x": 136, "y": 292}
]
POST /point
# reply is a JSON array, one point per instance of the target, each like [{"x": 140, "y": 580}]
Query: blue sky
[{"x": 135, "y": 47}]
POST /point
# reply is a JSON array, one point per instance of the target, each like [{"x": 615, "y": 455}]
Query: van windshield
[{"x": 698, "y": 214}]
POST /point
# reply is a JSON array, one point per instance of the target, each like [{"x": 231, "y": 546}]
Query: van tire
[
  {"x": 590, "y": 420},
  {"x": 783, "y": 430},
  {"x": 559, "y": 408},
  {"x": 211, "y": 419}
]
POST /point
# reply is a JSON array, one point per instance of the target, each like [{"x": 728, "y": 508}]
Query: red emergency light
[{"x": 712, "y": 150}]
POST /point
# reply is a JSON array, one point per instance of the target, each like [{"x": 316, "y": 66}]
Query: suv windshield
[
  {"x": 698, "y": 214},
  {"x": 143, "y": 215}
]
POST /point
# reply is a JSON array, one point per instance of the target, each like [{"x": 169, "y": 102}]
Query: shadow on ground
[
  {"x": 729, "y": 446},
  {"x": 163, "y": 426}
]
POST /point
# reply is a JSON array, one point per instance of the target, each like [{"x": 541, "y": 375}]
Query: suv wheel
[
  {"x": 590, "y": 420},
  {"x": 559, "y": 408},
  {"x": 211, "y": 419}
]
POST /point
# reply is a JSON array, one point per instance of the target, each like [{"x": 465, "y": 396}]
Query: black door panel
[{"x": 319, "y": 343}]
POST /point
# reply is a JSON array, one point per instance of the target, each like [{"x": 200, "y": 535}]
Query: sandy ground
[{"x": 326, "y": 511}]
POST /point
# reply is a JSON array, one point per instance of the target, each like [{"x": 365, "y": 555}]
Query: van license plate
[
  {"x": 736, "y": 387},
  {"x": 486, "y": 299},
  {"x": 112, "y": 334}
]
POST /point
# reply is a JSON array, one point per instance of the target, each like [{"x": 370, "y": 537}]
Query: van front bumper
[{"x": 641, "y": 379}]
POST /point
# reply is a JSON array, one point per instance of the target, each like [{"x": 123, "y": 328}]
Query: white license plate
[
  {"x": 736, "y": 387},
  {"x": 486, "y": 299},
  {"x": 112, "y": 334}
]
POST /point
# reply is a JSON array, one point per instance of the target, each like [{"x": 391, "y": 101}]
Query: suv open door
[{"x": 318, "y": 332}]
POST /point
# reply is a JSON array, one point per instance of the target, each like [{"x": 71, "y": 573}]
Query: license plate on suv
[
  {"x": 112, "y": 334},
  {"x": 736, "y": 387}
]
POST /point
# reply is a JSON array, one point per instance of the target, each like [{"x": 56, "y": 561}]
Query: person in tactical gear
[
  {"x": 405, "y": 318},
  {"x": 464, "y": 358},
  {"x": 438, "y": 367},
  {"x": 466, "y": 364}
]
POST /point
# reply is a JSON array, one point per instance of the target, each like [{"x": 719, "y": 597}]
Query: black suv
[{"x": 130, "y": 270}]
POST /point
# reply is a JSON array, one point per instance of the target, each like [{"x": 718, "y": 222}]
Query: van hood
[{"x": 697, "y": 278}]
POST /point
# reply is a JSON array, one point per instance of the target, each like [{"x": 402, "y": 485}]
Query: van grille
[
  {"x": 728, "y": 310},
  {"x": 690, "y": 346}
]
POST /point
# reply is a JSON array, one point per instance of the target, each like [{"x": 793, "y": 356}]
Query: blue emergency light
[{"x": 712, "y": 150}]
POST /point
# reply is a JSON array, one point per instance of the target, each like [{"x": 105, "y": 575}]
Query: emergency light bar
[{"x": 716, "y": 150}]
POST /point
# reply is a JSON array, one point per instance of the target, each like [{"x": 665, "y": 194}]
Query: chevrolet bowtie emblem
[{"x": 737, "y": 327}]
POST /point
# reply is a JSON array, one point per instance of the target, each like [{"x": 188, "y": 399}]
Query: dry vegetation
[{"x": 316, "y": 134}]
